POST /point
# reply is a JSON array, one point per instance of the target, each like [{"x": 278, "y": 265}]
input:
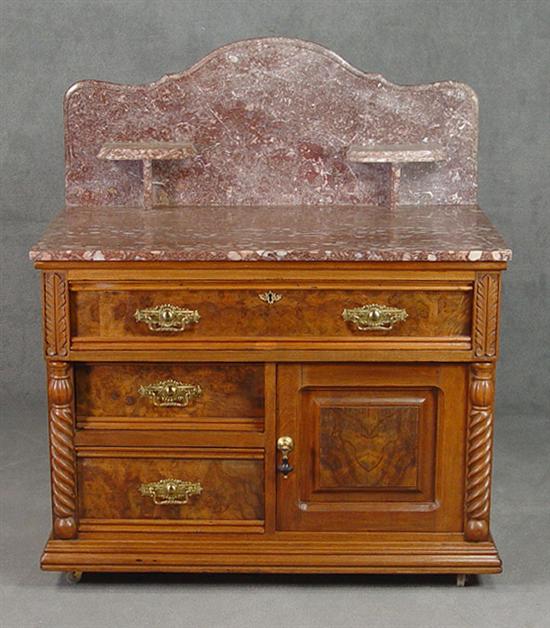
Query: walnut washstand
[{"x": 270, "y": 323}]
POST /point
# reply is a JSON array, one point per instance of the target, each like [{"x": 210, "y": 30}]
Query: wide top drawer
[{"x": 172, "y": 314}]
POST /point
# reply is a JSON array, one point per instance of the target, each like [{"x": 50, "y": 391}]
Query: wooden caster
[
  {"x": 73, "y": 577},
  {"x": 461, "y": 579}
]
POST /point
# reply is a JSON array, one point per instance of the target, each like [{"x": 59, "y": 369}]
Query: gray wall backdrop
[{"x": 500, "y": 48}]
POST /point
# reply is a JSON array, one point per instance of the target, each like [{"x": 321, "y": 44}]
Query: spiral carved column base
[{"x": 62, "y": 457}]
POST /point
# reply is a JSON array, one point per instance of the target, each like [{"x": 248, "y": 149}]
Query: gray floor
[{"x": 520, "y": 597}]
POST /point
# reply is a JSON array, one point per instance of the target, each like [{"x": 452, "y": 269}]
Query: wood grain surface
[
  {"x": 366, "y": 438},
  {"x": 232, "y": 488},
  {"x": 392, "y": 430},
  {"x": 241, "y": 313},
  {"x": 112, "y": 390},
  {"x": 368, "y": 447}
]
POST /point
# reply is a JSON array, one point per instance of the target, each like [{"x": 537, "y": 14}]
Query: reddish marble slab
[
  {"x": 272, "y": 120},
  {"x": 306, "y": 233}
]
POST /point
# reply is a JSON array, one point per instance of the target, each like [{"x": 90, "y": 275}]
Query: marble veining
[
  {"x": 272, "y": 120},
  {"x": 240, "y": 233}
]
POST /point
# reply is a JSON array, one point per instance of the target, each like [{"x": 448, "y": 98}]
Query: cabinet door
[{"x": 376, "y": 447}]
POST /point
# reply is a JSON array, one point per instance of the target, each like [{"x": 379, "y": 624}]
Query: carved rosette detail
[
  {"x": 62, "y": 456},
  {"x": 56, "y": 314},
  {"x": 486, "y": 315},
  {"x": 479, "y": 452}
]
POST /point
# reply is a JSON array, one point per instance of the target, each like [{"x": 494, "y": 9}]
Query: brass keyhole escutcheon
[
  {"x": 285, "y": 445},
  {"x": 270, "y": 297}
]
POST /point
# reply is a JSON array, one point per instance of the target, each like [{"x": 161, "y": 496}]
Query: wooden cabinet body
[{"x": 392, "y": 428}]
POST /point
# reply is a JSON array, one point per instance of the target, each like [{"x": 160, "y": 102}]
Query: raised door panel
[
  {"x": 377, "y": 447},
  {"x": 371, "y": 443}
]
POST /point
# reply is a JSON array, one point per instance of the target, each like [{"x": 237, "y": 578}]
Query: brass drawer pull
[
  {"x": 167, "y": 317},
  {"x": 170, "y": 491},
  {"x": 170, "y": 392},
  {"x": 373, "y": 316}
]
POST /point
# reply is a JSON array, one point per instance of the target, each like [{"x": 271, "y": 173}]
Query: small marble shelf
[
  {"x": 395, "y": 155},
  {"x": 147, "y": 152}
]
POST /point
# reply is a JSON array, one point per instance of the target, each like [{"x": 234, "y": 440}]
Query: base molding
[{"x": 284, "y": 555}]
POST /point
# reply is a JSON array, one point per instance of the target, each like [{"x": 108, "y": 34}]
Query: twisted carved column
[
  {"x": 62, "y": 458},
  {"x": 479, "y": 452}
]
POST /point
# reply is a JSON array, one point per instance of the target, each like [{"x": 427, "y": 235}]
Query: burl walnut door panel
[{"x": 366, "y": 443}]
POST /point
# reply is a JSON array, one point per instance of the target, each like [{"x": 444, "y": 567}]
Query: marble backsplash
[{"x": 271, "y": 120}]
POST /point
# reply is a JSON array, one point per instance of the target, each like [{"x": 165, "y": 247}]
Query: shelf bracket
[
  {"x": 395, "y": 156},
  {"x": 147, "y": 152}
]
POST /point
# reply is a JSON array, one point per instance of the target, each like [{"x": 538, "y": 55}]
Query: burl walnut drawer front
[
  {"x": 170, "y": 489},
  {"x": 407, "y": 312},
  {"x": 170, "y": 396}
]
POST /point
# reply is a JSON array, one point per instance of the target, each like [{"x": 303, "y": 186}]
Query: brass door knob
[{"x": 285, "y": 445}]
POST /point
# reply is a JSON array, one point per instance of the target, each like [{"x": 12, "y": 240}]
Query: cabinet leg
[
  {"x": 461, "y": 579},
  {"x": 73, "y": 577}
]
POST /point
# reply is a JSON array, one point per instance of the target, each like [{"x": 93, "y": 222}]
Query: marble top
[{"x": 290, "y": 233}]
